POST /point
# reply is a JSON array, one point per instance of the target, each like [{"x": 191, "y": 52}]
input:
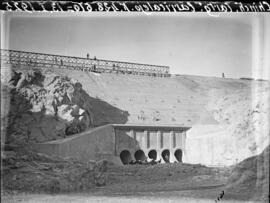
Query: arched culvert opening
[
  {"x": 152, "y": 154},
  {"x": 166, "y": 155},
  {"x": 139, "y": 155},
  {"x": 178, "y": 155},
  {"x": 125, "y": 157}
]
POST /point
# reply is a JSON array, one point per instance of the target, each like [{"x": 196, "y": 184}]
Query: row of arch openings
[{"x": 139, "y": 155}]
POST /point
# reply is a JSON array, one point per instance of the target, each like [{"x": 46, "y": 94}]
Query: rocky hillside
[
  {"x": 57, "y": 103},
  {"x": 41, "y": 105},
  {"x": 250, "y": 178},
  {"x": 246, "y": 115},
  {"x": 49, "y": 106},
  {"x": 242, "y": 128},
  {"x": 45, "y": 107}
]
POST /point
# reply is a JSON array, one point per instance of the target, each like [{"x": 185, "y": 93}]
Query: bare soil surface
[
  {"x": 34, "y": 177},
  {"x": 206, "y": 195}
]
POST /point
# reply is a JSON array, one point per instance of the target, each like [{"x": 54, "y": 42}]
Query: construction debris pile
[{"x": 145, "y": 162}]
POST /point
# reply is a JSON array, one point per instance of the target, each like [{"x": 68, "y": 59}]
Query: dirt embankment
[
  {"x": 46, "y": 106},
  {"x": 26, "y": 171},
  {"x": 51, "y": 104},
  {"x": 250, "y": 178},
  {"x": 178, "y": 100}
]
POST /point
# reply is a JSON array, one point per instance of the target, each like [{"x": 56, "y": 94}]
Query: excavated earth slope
[
  {"x": 71, "y": 101},
  {"x": 51, "y": 104},
  {"x": 180, "y": 100}
]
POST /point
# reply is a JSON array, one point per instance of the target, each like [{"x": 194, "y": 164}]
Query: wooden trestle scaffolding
[{"x": 40, "y": 60}]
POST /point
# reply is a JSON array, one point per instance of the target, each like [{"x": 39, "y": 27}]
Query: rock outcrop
[{"x": 46, "y": 107}]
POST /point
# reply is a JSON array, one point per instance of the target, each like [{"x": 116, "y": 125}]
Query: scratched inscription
[{"x": 135, "y": 6}]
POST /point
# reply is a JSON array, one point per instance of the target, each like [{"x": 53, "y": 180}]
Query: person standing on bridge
[
  {"x": 87, "y": 56},
  {"x": 223, "y": 75}
]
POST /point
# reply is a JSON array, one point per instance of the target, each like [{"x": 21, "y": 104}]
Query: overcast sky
[{"x": 195, "y": 45}]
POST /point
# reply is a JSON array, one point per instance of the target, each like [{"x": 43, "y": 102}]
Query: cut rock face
[{"x": 45, "y": 108}]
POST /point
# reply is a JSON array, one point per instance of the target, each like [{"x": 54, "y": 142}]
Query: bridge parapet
[{"x": 84, "y": 64}]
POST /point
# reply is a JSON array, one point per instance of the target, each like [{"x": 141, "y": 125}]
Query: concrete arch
[
  {"x": 125, "y": 157},
  {"x": 152, "y": 154},
  {"x": 166, "y": 155},
  {"x": 140, "y": 155},
  {"x": 178, "y": 155}
]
